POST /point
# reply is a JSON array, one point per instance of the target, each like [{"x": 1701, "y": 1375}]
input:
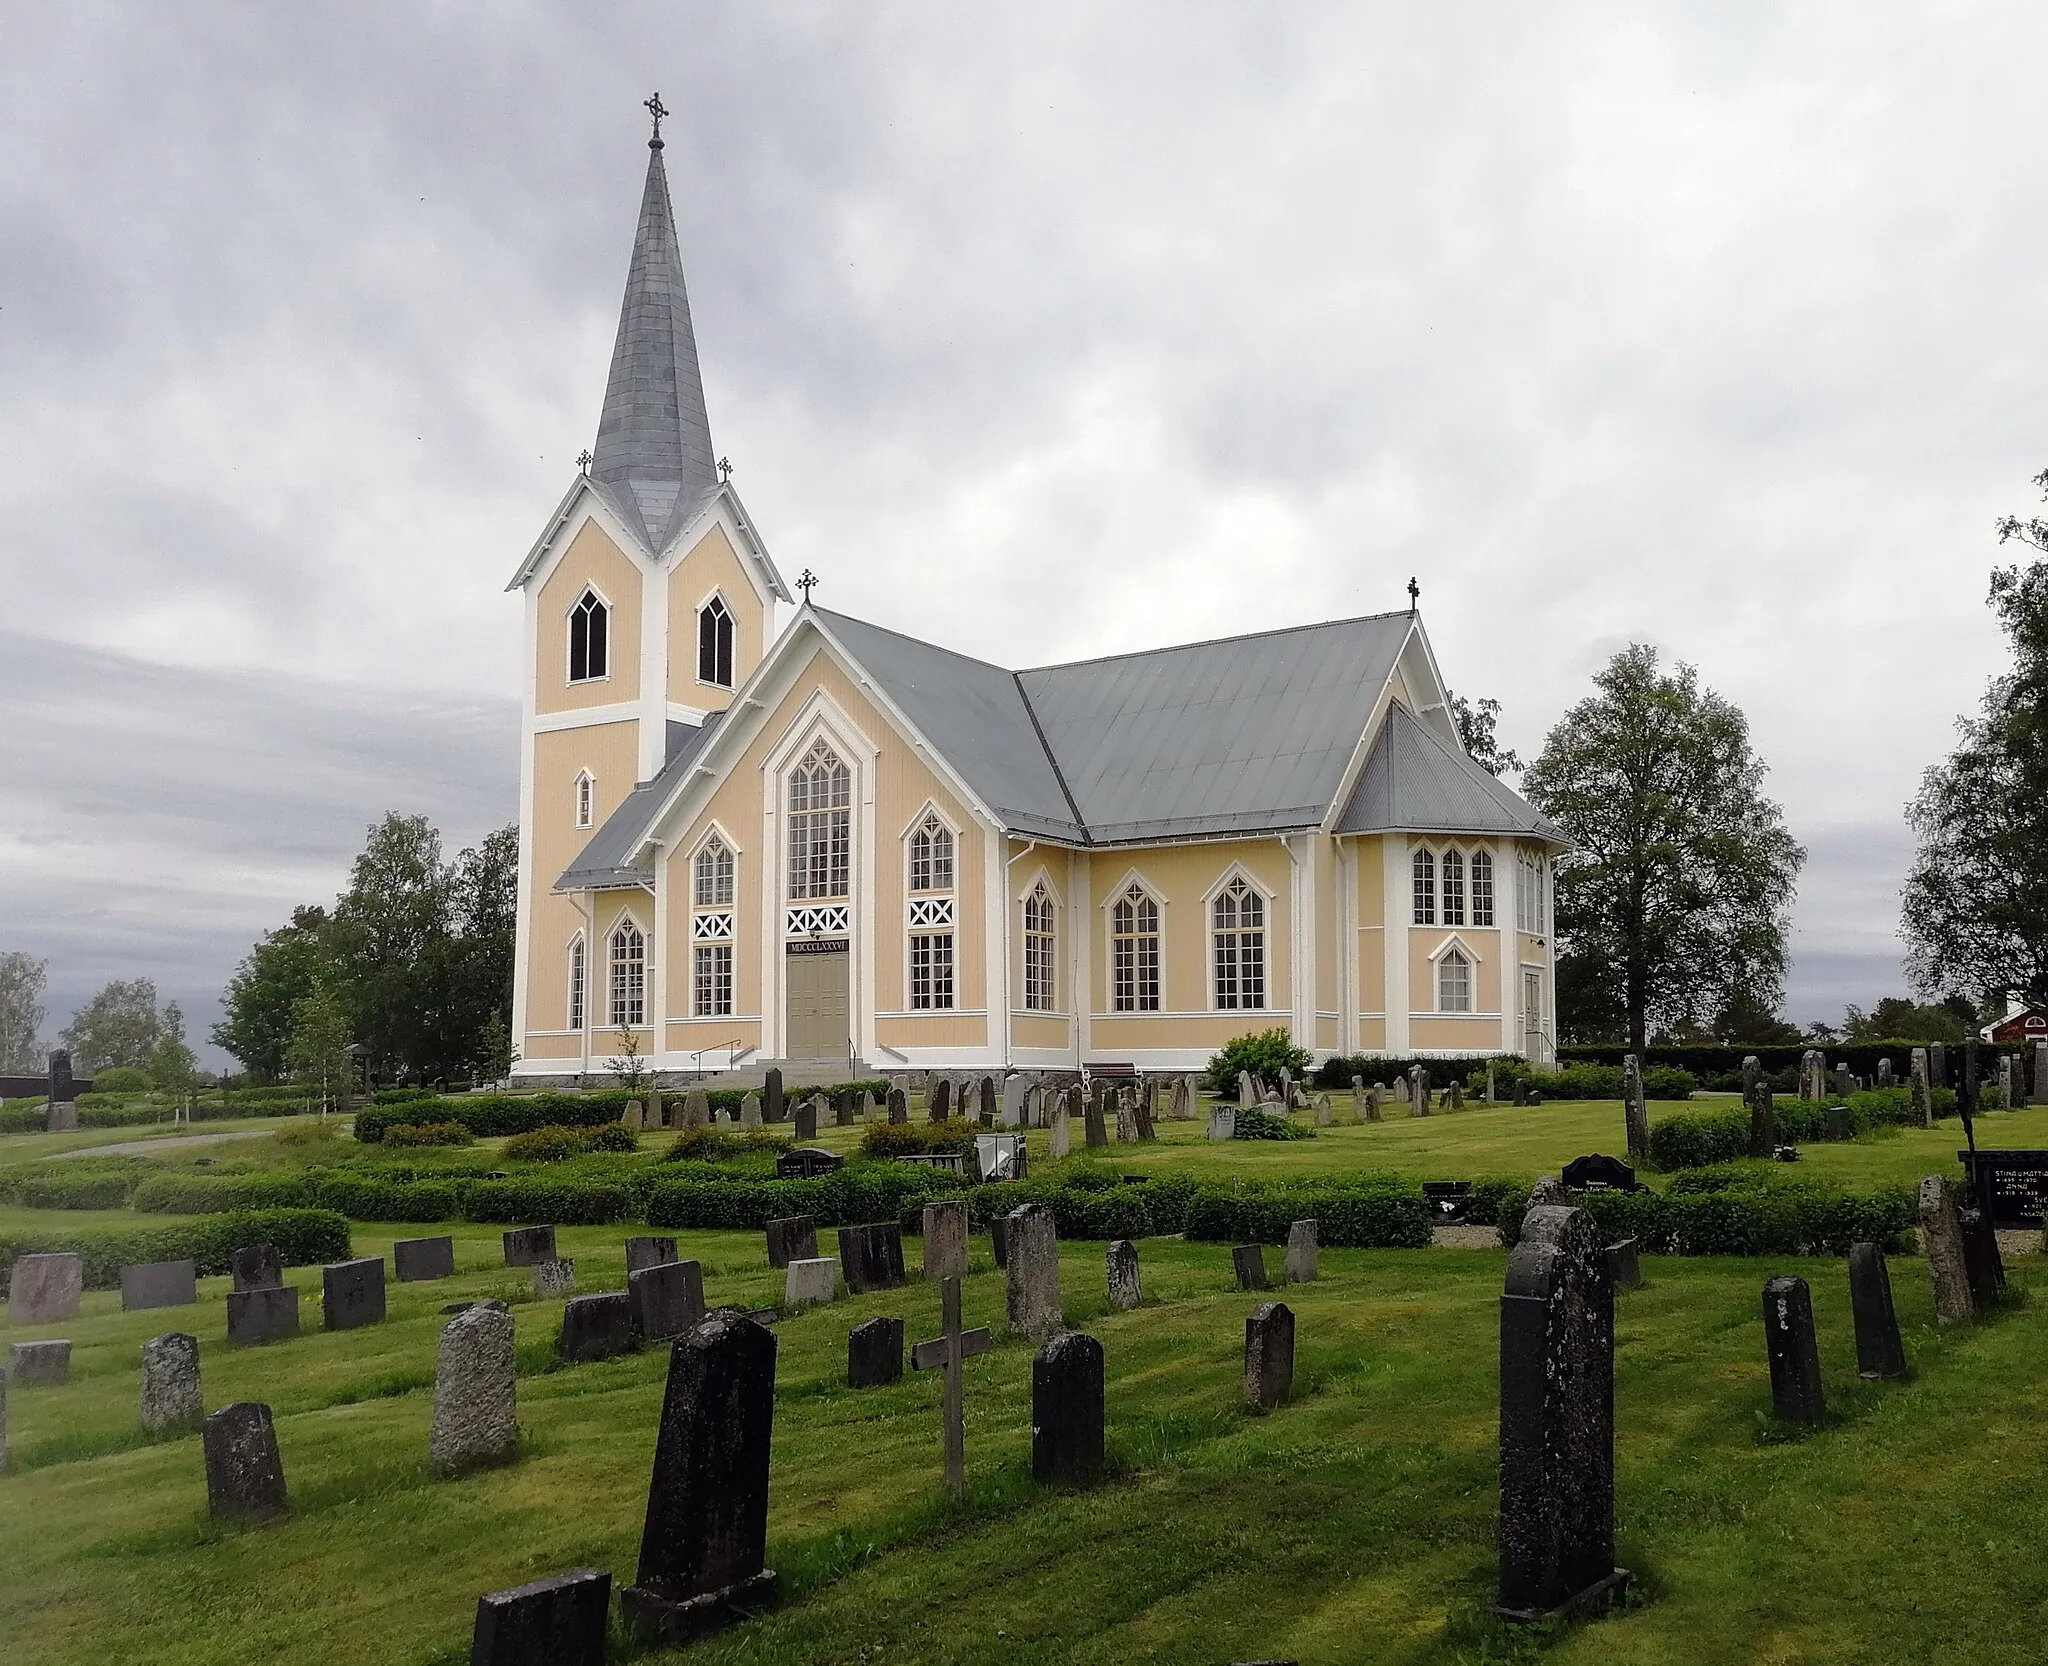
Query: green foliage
[
  {"x": 1255, "y": 1124},
  {"x": 559, "y": 1202},
  {"x": 427, "y": 1133},
  {"x": 1673, "y": 898},
  {"x": 1668, "y": 1082},
  {"x": 490, "y": 1115},
  {"x": 318, "y": 1049},
  {"x": 1753, "y": 1208},
  {"x": 172, "y": 1070},
  {"x": 274, "y": 976},
  {"x": 304, "y": 1237},
  {"x": 121, "y": 1025},
  {"x": 1693, "y": 1140},
  {"x": 549, "y": 1145},
  {"x": 122, "y": 1078},
  {"x": 23, "y": 979},
  {"x": 83, "y": 1183},
  {"x": 858, "y": 1193},
  {"x": 910, "y": 1139},
  {"x": 315, "y": 1130},
  {"x": 1478, "y": 732},
  {"x": 1265, "y": 1053},
  {"x": 1367, "y": 1213},
  {"x": 1895, "y": 1019},
  {"x": 722, "y": 1145}
]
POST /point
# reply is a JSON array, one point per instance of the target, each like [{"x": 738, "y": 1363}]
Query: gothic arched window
[
  {"x": 714, "y": 643},
  {"x": 586, "y": 799},
  {"x": 589, "y": 639},
  {"x": 1424, "y": 867},
  {"x": 576, "y": 982},
  {"x": 1239, "y": 915},
  {"x": 629, "y": 976},
  {"x": 1453, "y": 982},
  {"x": 1454, "y": 888},
  {"x": 1134, "y": 951},
  {"x": 820, "y": 825},
  {"x": 712, "y": 879},
  {"x": 931, "y": 856},
  {"x": 1482, "y": 888},
  {"x": 1038, "y": 950}
]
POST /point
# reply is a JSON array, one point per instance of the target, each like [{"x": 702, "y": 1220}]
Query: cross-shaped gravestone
[{"x": 952, "y": 1350}]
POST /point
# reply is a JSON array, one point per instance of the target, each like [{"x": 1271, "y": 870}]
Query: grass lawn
[
  {"x": 1354, "y": 1524},
  {"x": 27, "y": 1148}
]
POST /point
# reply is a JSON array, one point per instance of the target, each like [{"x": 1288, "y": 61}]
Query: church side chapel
[{"x": 840, "y": 848}]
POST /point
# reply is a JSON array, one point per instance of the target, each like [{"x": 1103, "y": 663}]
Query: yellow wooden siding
[
  {"x": 591, "y": 560},
  {"x": 1180, "y": 876},
  {"x": 712, "y": 566},
  {"x": 608, "y": 751}
]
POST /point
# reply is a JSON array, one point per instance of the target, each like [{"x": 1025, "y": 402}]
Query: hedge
[
  {"x": 489, "y": 1115},
  {"x": 857, "y": 1194},
  {"x": 1695, "y": 1139},
  {"x": 1751, "y": 1214},
  {"x": 359, "y": 1197},
  {"x": 559, "y": 1202},
  {"x": 304, "y": 1237}
]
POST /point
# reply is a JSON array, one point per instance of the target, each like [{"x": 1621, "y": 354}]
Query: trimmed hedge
[
  {"x": 560, "y": 1202},
  {"x": 1747, "y": 1213},
  {"x": 1696, "y": 1139},
  {"x": 1348, "y": 1215},
  {"x": 490, "y": 1115},
  {"x": 305, "y": 1237},
  {"x": 857, "y": 1194},
  {"x": 918, "y": 1138}
]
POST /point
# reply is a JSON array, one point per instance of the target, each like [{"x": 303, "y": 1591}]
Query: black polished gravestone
[
  {"x": 244, "y": 1477},
  {"x": 874, "y": 1353},
  {"x": 1066, "y": 1411},
  {"x": 421, "y": 1260},
  {"x": 552, "y": 1622},
  {"x": 352, "y": 1293},
  {"x": 793, "y": 1239},
  {"x": 668, "y": 1299},
  {"x": 649, "y": 1252},
  {"x": 1879, "y": 1353},
  {"x": 1249, "y": 1262},
  {"x": 597, "y": 1327},
  {"x": 1556, "y": 1522},
  {"x": 1597, "y": 1173},
  {"x": 704, "y": 1547},
  {"x": 939, "y": 1100},
  {"x": 871, "y": 1257},
  {"x": 257, "y": 1267},
  {"x": 529, "y": 1246},
  {"x": 268, "y": 1313},
  {"x": 1796, "y": 1395},
  {"x": 772, "y": 1105}
]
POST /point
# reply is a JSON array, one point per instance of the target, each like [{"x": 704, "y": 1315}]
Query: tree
[
  {"x": 386, "y": 940},
  {"x": 1897, "y": 1019},
  {"x": 23, "y": 979},
  {"x": 1476, "y": 728},
  {"x": 1974, "y": 908},
  {"x": 121, "y": 1025},
  {"x": 319, "y": 1048},
  {"x": 1672, "y": 902},
  {"x": 172, "y": 1069},
  {"x": 256, "y": 1022},
  {"x": 1747, "y": 1021}
]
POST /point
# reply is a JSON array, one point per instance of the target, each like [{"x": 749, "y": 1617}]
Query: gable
[{"x": 1412, "y": 782}]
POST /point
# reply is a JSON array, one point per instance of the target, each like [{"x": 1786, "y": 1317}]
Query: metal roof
[
  {"x": 607, "y": 859},
  {"x": 1412, "y": 782}
]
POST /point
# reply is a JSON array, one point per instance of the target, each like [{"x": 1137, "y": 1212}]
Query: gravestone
[
  {"x": 1941, "y": 1241},
  {"x": 939, "y": 1100},
  {"x": 1937, "y": 1065},
  {"x": 1249, "y": 1262},
  {"x": 1752, "y": 1073},
  {"x": 1372, "y": 1103},
  {"x": 807, "y": 1119},
  {"x": 1014, "y": 1091},
  {"x": 1247, "y": 1089},
  {"x": 171, "y": 1397},
  {"x": 268, "y": 1313},
  {"x": 871, "y": 1257},
  {"x": 1322, "y": 1110},
  {"x": 558, "y": 1621},
  {"x": 772, "y": 1108},
  {"x": 1268, "y": 1355},
  {"x": 244, "y": 1476},
  {"x": 1222, "y": 1122},
  {"x": 843, "y": 1108},
  {"x": 668, "y": 1299},
  {"x": 60, "y": 1117},
  {"x": 1401, "y": 1090},
  {"x": 1596, "y": 1172},
  {"x": 1066, "y": 1410},
  {"x": 554, "y": 1278},
  {"x": 794, "y": 1238},
  {"x": 1884, "y": 1073},
  {"x": 986, "y": 1094},
  {"x": 1840, "y": 1127},
  {"x": 1763, "y": 1134},
  {"x": 257, "y": 1267},
  {"x": 704, "y": 1545},
  {"x": 2040, "y": 1093},
  {"x": 1794, "y": 1353},
  {"x": 944, "y": 1230},
  {"x": 1141, "y": 1112},
  {"x": 750, "y": 1110},
  {"x": 40, "y": 1364},
  {"x": 811, "y": 1283},
  {"x": 1923, "y": 1097},
  {"x": 1032, "y": 1271},
  {"x": 1177, "y": 1100},
  {"x": 1301, "y": 1253},
  {"x": 525, "y": 1246},
  {"x": 1126, "y": 1117},
  {"x": 597, "y": 1327},
  {"x": 899, "y": 1106},
  {"x": 1556, "y": 1521},
  {"x": 421, "y": 1260},
  {"x": 1845, "y": 1084},
  {"x": 1097, "y": 1128},
  {"x": 352, "y": 1293},
  {"x": 1418, "y": 1089},
  {"x": 1982, "y": 1262},
  {"x": 1624, "y": 1265},
  {"x": 1454, "y": 1096},
  {"x": 874, "y": 1353},
  {"x": 1635, "y": 1110},
  {"x": 999, "y": 1241},
  {"x": 1062, "y": 1140},
  {"x": 1879, "y": 1353},
  {"x": 159, "y": 1284},
  {"x": 867, "y": 1107},
  {"x": 476, "y": 1390},
  {"x": 63, "y": 1086},
  {"x": 1125, "y": 1292},
  {"x": 648, "y": 1252},
  {"x": 45, "y": 1288}
]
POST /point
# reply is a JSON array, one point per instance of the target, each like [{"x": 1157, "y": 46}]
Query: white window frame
[
  {"x": 578, "y": 957},
  {"x": 1129, "y": 884},
  {"x": 1047, "y": 1000},
  {"x": 586, "y": 799},
  {"x": 1455, "y": 943},
  {"x": 1237, "y": 874},
  {"x": 720, "y": 1003},
  {"x": 731, "y": 679},
  {"x": 1450, "y": 872},
  {"x": 843, "y": 860},
  {"x": 1422, "y": 886},
  {"x": 1450, "y": 958},
  {"x": 613, "y": 972},
  {"x": 589, "y": 592},
  {"x": 929, "y": 822},
  {"x": 1473, "y": 869},
  {"x": 939, "y": 971}
]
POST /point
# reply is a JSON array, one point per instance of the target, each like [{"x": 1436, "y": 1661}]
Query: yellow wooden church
[{"x": 840, "y": 848}]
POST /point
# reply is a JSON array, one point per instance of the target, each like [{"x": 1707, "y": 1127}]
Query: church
[{"x": 831, "y": 846}]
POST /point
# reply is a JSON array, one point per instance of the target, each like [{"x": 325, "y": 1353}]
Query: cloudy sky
[{"x": 1043, "y": 331}]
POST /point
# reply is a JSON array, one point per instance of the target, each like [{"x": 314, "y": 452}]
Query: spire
[{"x": 654, "y": 438}]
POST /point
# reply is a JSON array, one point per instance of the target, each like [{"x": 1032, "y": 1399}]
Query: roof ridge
[
  {"x": 922, "y": 642},
  {"x": 1052, "y": 759},
  {"x": 1219, "y": 641}
]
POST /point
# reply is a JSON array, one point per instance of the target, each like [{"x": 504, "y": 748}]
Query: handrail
[{"x": 738, "y": 1045}]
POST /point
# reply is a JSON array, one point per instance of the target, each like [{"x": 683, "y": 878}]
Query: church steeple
[{"x": 654, "y": 437}]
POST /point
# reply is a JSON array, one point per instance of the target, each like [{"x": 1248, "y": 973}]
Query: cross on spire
[
  {"x": 806, "y": 583},
  {"x": 583, "y": 461},
  {"x": 655, "y": 108},
  {"x": 725, "y": 468},
  {"x": 1414, "y": 594},
  {"x": 950, "y": 1351}
]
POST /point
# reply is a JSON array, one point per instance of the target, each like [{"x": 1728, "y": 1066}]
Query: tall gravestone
[
  {"x": 171, "y": 1396},
  {"x": 939, "y": 1100},
  {"x": 1937, "y": 1064},
  {"x": 1923, "y": 1096},
  {"x": 1884, "y": 1072},
  {"x": 771, "y": 1094},
  {"x": 1032, "y": 1270},
  {"x": 750, "y": 1111},
  {"x": 1941, "y": 1241},
  {"x": 1268, "y": 1355},
  {"x": 1794, "y": 1352},
  {"x": 1879, "y": 1353},
  {"x": 944, "y": 1231},
  {"x": 667, "y": 1298},
  {"x": 1247, "y": 1090},
  {"x": 871, "y": 1257},
  {"x": 1097, "y": 1127},
  {"x": 874, "y": 1353},
  {"x": 899, "y": 1106},
  {"x": 1141, "y": 1112},
  {"x": 244, "y": 1476},
  {"x": 1121, "y": 1265},
  {"x": 1066, "y": 1411},
  {"x": 559, "y": 1621},
  {"x": 985, "y": 1092},
  {"x": 1763, "y": 1134},
  {"x": 696, "y": 1110},
  {"x": 1301, "y": 1253},
  {"x": 1635, "y": 1110},
  {"x": 476, "y": 1390},
  {"x": 1062, "y": 1141},
  {"x": 1556, "y": 1521},
  {"x": 703, "y": 1550},
  {"x": 43, "y": 1289},
  {"x": 63, "y": 1089},
  {"x": 807, "y": 1119}
]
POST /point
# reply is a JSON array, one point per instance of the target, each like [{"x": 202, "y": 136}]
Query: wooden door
[{"x": 816, "y": 990}]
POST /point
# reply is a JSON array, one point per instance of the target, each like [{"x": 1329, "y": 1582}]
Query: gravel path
[
  {"x": 142, "y": 1148},
  {"x": 1464, "y": 1237}
]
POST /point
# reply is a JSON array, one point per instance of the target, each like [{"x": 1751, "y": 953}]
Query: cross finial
[
  {"x": 583, "y": 462},
  {"x": 806, "y": 583},
  {"x": 725, "y": 468},
  {"x": 657, "y": 110},
  {"x": 1414, "y": 594}
]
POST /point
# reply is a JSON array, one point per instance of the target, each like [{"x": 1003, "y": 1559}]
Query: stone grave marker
[
  {"x": 257, "y": 1267},
  {"x": 794, "y": 1238},
  {"x": 1556, "y": 1520},
  {"x": 1268, "y": 1355},
  {"x": 1249, "y": 1263},
  {"x": 703, "y": 1549},
  {"x": 1937, "y": 1064},
  {"x": 1794, "y": 1353},
  {"x": 945, "y": 1239},
  {"x": 874, "y": 1353},
  {"x": 1635, "y": 1110},
  {"x": 772, "y": 1106},
  {"x": 1141, "y": 1114},
  {"x": 1247, "y": 1089},
  {"x": 527, "y": 1245},
  {"x": 352, "y": 1293},
  {"x": 1372, "y": 1103},
  {"x": 899, "y": 1106},
  {"x": 867, "y": 1107},
  {"x": 60, "y": 1117},
  {"x": 1062, "y": 1140},
  {"x": 597, "y": 1327},
  {"x": 45, "y": 1288},
  {"x": 649, "y": 1252},
  {"x": 244, "y": 1476},
  {"x": 151, "y": 1284},
  {"x": 949, "y": 1352},
  {"x": 1094, "y": 1123},
  {"x": 268, "y": 1313},
  {"x": 1066, "y": 1411},
  {"x": 843, "y": 1106},
  {"x": 807, "y": 1119},
  {"x": 1845, "y": 1084},
  {"x": 1121, "y": 1264},
  {"x": 558, "y": 1621},
  {"x": 1624, "y": 1265},
  {"x": 42, "y": 1364},
  {"x": 939, "y": 1100},
  {"x": 1884, "y": 1073},
  {"x": 1223, "y": 1122},
  {"x": 476, "y": 1390},
  {"x": 554, "y": 1278},
  {"x": 1032, "y": 1271},
  {"x": 1401, "y": 1090},
  {"x": 750, "y": 1110},
  {"x": 1941, "y": 1241},
  {"x": 421, "y": 1260},
  {"x": 985, "y": 1094},
  {"x": 810, "y": 1283},
  {"x": 696, "y": 1110},
  {"x": 1301, "y": 1253},
  {"x": 999, "y": 1242},
  {"x": 667, "y": 1299},
  {"x": 1763, "y": 1132},
  {"x": 171, "y": 1397},
  {"x": 1879, "y": 1353},
  {"x": 1923, "y": 1097},
  {"x": 871, "y": 1257}
]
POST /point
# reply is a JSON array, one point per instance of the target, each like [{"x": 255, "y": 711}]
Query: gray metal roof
[
  {"x": 654, "y": 435},
  {"x": 1412, "y": 782},
  {"x": 607, "y": 859}
]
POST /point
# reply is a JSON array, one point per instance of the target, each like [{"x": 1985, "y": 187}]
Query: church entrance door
[{"x": 815, "y": 986}]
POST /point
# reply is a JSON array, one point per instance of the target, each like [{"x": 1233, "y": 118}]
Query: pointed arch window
[
  {"x": 820, "y": 825},
  {"x": 1482, "y": 888},
  {"x": 629, "y": 976},
  {"x": 1454, "y": 888},
  {"x": 712, "y": 875},
  {"x": 1453, "y": 982},
  {"x": 1039, "y": 943},
  {"x": 586, "y": 799},
  {"x": 714, "y": 643},
  {"x": 1239, "y": 918},
  {"x": 589, "y": 639},
  {"x": 1424, "y": 866},
  {"x": 931, "y": 856},
  {"x": 1134, "y": 952},
  {"x": 711, "y": 930},
  {"x": 576, "y": 982}
]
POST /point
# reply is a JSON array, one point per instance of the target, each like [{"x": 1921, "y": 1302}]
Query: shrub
[
  {"x": 1255, "y": 1124},
  {"x": 1365, "y": 1214},
  {"x": 488, "y": 1115},
  {"x": 1663, "y": 1081},
  {"x": 755, "y": 1146},
  {"x": 123, "y": 1078},
  {"x": 312, "y": 1130},
  {"x": 614, "y": 1136},
  {"x": 548, "y": 1145},
  {"x": 213, "y": 1194},
  {"x": 304, "y": 1237},
  {"x": 427, "y": 1133},
  {"x": 858, "y": 1193},
  {"x": 106, "y": 1184},
  {"x": 364, "y": 1199},
  {"x": 912, "y": 1139},
  {"x": 560, "y": 1202},
  {"x": 1693, "y": 1139},
  {"x": 1265, "y": 1053}
]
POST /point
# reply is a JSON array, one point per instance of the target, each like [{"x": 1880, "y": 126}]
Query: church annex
[{"x": 852, "y": 851}]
